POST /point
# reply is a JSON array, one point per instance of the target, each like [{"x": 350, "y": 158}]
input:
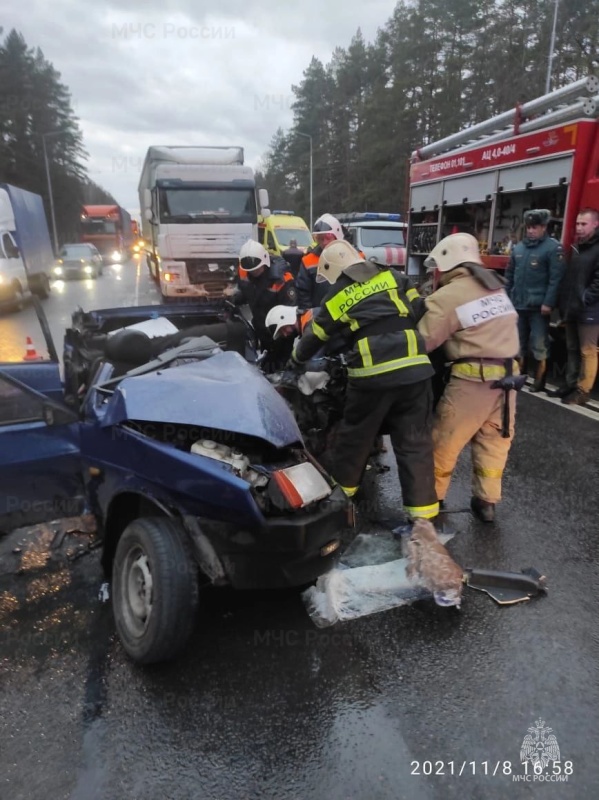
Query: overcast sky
[{"x": 187, "y": 72}]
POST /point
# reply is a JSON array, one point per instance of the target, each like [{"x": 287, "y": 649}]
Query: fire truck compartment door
[
  {"x": 472, "y": 189},
  {"x": 539, "y": 175},
  {"x": 426, "y": 197}
]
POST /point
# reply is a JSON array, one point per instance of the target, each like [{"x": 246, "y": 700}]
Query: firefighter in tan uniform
[{"x": 471, "y": 316}]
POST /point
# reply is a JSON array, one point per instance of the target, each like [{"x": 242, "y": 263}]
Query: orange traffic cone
[{"x": 31, "y": 353}]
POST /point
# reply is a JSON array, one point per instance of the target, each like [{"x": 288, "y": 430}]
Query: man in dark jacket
[
  {"x": 533, "y": 277},
  {"x": 376, "y": 312},
  {"x": 293, "y": 256},
  {"x": 264, "y": 282},
  {"x": 579, "y": 307}
]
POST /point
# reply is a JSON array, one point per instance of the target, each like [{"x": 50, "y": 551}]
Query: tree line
[
  {"x": 35, "y": 111},
  {"x": 435, "y": 67}
]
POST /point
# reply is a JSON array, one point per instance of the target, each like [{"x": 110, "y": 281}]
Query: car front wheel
[{"x": 154, "y": 590}]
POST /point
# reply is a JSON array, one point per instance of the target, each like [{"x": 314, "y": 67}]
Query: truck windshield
[
  {"x": 95, "y": 226},
  {"x": 207, "y": 205},
  {"x": 377, "y": 237},
  {"x": 285, "y": 235}
]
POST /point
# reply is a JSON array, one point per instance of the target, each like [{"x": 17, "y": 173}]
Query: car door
[{"x": 40, "y": 463}]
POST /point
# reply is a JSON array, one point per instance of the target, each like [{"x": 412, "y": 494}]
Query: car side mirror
[{"x": 263, "y": 199}]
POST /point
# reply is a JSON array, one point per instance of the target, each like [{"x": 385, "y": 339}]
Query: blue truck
[{"x": 26, "y": 255}]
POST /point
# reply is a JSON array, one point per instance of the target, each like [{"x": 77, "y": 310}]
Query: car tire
[
  {"x": 42, "y": 287},
  {"x": 18, "y": 302},
  {"x": 154, "y": 589},
  {"x": 152, "y": 268}
]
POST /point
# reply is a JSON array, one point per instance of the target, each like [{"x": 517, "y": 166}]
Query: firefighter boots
[{"x": 483, "y": 510}]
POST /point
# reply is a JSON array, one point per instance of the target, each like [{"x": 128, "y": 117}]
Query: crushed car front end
[{"x": 212, "y": 444}]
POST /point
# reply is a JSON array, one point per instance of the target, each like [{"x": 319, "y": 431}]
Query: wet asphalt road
[{"x": 265, "y": 706}]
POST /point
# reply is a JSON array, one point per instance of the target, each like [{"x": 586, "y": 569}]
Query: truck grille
[{"x": 214, "y": 281}]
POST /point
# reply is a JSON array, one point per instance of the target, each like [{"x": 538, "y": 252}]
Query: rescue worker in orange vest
[
  {"x": 264, "y": 281},
  {"x": 472, "y": 317},
  {"x": 327, "y": 229},
  {"x": 376, "y": 312}
]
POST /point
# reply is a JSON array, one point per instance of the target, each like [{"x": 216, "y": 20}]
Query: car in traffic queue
[
  {"x": 78, "y": 260},
  {"x": 190, "y": 461}
]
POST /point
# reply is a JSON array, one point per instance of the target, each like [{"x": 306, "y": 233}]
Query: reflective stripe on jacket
[
  {"x": 377, "y": 320},
  {"x": 479, "y": 371}
]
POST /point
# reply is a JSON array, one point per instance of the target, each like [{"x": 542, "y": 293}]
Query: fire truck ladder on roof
[{"x": 551, "y": 108}]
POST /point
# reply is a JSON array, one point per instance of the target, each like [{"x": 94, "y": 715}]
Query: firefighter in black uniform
[
  {"x": 264, "y": 282},
  {"x": 389, "y": 386}
]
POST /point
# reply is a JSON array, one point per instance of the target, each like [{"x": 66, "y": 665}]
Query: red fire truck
[
  {"x": 109, "y": 229},
  {"x": 543, "y": 154}
]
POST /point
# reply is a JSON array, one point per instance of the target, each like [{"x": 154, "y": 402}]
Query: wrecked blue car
[{"x": 191, "y": 462}]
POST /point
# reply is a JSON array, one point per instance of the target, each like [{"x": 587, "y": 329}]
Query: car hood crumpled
[{"x": 223, "y": 392}]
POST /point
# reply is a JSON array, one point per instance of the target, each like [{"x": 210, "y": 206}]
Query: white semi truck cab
[{"x": 198, "y": 206}]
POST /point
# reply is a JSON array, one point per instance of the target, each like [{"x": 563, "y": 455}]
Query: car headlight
[
  {"x": 87, "y": 269},
  {"x": 57, "y": 270},
  {"x": 115, "y": 256},
  {"x": 1, "y": 278}
]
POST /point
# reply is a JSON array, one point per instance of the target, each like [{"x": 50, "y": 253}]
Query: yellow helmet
[
  {"x": 453, "y": 250},
  {"x": 340, "y": 257}
]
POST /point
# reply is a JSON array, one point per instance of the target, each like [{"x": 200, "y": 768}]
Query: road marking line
[{"x": 592, "y": 412}]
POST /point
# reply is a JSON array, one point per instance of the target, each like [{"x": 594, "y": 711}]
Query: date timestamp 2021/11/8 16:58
[{"x": 489, "y": 768}]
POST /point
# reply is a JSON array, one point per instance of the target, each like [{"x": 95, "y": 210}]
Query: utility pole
[
  {"x": 551, "y": 49},
  {"x": 50, "y": 193},
  {"x": 307, "y": 135}
]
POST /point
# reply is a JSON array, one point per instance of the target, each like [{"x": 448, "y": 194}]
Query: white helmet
[
  {"x": 252, "y": 256},
  {"x": 456, "y": 249},
  {"x": 280, "y": 316},
  {"x": 338, "y": 257},
  {"x": 328, "y": 224}
]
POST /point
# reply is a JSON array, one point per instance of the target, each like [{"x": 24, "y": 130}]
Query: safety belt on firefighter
[{"x": 508, "y": 383}]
